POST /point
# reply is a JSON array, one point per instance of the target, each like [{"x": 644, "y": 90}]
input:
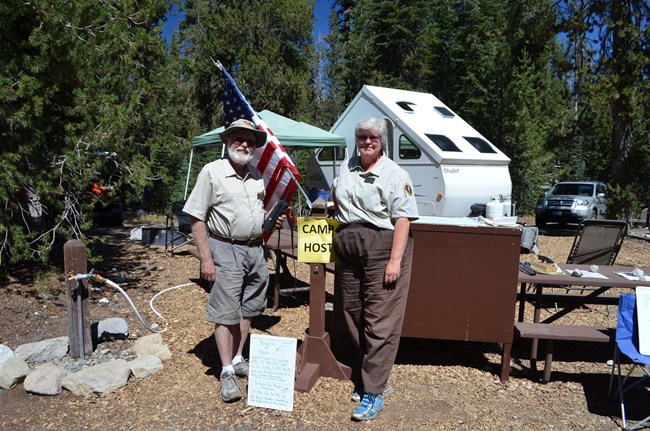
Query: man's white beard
[{"x": 238, "y": 158}]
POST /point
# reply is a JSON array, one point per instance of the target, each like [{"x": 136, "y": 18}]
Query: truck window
[
  {"x": 327, "y": 154},
  {"x": 480, "y": 144},
  {"x": 407, "y": 149},
  {"x": 443, "y": 142}
]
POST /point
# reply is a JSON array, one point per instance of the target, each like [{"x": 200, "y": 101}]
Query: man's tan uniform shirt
[{"x": 231, "y": 206}]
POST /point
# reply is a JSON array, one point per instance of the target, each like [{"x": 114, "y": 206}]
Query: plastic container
[
  {"x": 507, "y": 206},
  {"x": 314, "y": 194},
  {"x": 494, "y": 208}
]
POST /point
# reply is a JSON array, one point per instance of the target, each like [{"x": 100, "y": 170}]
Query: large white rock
[
  {"x": 145, "y": 366},
  {"x": 5, "y": 353},
  {"x": 151, "y": 345},
  {"x": 99, "y": 380},
  {"x": 43, "y": 351},
  {"x": 147, "y": 340},
  {"x": 12, "y": 372},
  {"x": 45, "y": 380},
  {"x": 113, "y": 328}
]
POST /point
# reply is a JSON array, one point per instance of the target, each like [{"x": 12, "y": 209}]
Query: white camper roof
[{"x": 438, "y": 131}]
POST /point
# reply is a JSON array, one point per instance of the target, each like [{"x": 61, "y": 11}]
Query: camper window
[
  {"x": 327, "y": 154},
  {"x": 444, "y": 111},
  {"x": 407, "y": 149},
  {"x": 443, "y": 142},
  {"x": 481, "y": 145},
  {"x": 406, "y": 106}
]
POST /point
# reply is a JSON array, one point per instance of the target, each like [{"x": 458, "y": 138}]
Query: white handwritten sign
[
  {"x": 271, "y": 376},
  {"x": 643, "y": 318}
]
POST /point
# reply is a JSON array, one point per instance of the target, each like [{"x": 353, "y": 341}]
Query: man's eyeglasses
[
  {"x": 238, "y": 140},
  {"x": 364, "y": 138}
]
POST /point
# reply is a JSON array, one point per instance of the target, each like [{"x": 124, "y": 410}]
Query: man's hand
[
  {"x": 208, "y": 270},
  {"x": 279, "y": 222}
]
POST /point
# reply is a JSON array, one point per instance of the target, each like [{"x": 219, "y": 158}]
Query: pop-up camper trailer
[{"x": 451, "y": 164}]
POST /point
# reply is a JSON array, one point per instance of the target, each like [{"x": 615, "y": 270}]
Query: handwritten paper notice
[
  {"x": 643, "y": 318},
  {"x": 271, "y": 376}
]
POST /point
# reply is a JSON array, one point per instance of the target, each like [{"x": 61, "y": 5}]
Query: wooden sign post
[
  {"x": 75, "y": 257},
  {"x": 316, "y": 358}
]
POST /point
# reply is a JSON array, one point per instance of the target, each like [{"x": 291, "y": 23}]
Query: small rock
[
  {"x": 145, "y": 366},
  {"x": 43, "y": 351},
  {"x": 99, "y": 380},
  {"x": 12, "y": 372},
  {"x": 45, "y": 380},
  {"x": 5, "y": 353}
]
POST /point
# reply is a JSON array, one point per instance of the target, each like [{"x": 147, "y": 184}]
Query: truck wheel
[{"x": 540, "y": 222}]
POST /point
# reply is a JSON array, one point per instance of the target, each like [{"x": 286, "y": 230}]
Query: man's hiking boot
[
  {"x": 241, "y": 368},
  {"x": 230, "y": 390}
]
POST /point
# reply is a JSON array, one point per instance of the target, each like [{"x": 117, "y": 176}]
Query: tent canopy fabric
[{"x": 290, "y": 133}]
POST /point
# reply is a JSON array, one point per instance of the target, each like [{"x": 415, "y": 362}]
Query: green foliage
[
  {"x": 560, "y": 87},
  {"x": 81, "y": 78},
  {"x": 265, "y": 45}
]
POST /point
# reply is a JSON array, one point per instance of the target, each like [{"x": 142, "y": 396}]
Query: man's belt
[{"x": 253, "y": 242}]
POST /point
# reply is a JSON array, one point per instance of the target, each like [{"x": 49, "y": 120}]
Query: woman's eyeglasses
[{"x": 364, "y": 138}]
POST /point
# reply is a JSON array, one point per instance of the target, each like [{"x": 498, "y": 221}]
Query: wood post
[
  {"x": 75, "y": 258},
  {"x": 316, "y": 358}
]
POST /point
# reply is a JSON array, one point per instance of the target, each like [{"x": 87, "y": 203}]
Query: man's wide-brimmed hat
[{"x": 243, "y": 124}]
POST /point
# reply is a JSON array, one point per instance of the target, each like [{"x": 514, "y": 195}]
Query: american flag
[{"x": 272, "y": 161}]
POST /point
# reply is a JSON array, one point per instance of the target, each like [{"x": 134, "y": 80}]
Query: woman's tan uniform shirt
[{"x": 378, "y": 196}]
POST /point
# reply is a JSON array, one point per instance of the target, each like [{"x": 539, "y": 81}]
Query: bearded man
[{"x": 227, "y": 212}]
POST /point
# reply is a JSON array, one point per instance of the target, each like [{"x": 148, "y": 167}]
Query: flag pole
[{"x": 220, "y": 67}]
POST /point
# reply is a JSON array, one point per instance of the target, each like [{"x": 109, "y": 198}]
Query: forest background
[{"x": 88, "y": 88}]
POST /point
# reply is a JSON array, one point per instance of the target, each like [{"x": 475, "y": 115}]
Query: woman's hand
[{"x": 392, "y": 271}]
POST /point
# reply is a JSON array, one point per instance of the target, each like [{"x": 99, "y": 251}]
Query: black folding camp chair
[
  {"x": 597, "y": 242},
  {"x": 178, "y": 228}
]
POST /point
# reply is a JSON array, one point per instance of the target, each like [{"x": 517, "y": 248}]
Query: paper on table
[
  {"x": 631, "y": 276},
  {"x": 587, "y": 274}
]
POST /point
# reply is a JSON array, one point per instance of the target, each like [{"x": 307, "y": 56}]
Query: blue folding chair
[{"x": 627, "y": 346}]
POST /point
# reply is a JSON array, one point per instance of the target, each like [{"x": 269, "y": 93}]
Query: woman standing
[{"x": 375, "y": 205}]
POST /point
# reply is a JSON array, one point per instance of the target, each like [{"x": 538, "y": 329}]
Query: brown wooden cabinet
[{"x": 464, "y": 285}]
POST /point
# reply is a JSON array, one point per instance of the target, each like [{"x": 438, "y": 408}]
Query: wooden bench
[{"x": 551, "y": 332}]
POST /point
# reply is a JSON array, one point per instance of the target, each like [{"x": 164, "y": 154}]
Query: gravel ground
[{"x": 437, "y": 384}]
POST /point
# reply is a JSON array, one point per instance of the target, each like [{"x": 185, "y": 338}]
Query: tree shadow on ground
[
  {"x": 558, "y": 230},
  {"x": 206, "y": 351},
  {"x": 420, "y": 351}
]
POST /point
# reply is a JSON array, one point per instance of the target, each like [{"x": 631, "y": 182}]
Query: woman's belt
[
  {"x": 358, "y": 225},
  {"x": 253, "y": 242}
]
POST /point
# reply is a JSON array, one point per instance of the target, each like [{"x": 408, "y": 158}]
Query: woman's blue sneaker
[
  {"x": 356, "y": 395},
  {"x": 370, "y": 406}
]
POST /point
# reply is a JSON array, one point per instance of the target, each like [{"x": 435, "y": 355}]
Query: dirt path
[{"x": 437, "y": 385}]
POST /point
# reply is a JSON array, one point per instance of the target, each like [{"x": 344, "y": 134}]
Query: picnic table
[{"x": 548, "y": 290}]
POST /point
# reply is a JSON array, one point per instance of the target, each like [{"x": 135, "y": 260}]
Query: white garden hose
[{"x": 96, "y": 278}]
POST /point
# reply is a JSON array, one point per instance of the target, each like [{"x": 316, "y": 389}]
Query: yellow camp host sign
[{"x": 315, "y": 237}]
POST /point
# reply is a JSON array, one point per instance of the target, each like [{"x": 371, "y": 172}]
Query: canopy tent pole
[{"x": 189, "y": 169}]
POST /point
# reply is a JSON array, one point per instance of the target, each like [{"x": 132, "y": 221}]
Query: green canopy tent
[{"x": 290, "y": 133}]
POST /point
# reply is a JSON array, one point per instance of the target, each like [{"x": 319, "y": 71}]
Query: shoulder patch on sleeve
[{"x": 408, "y": 190}]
